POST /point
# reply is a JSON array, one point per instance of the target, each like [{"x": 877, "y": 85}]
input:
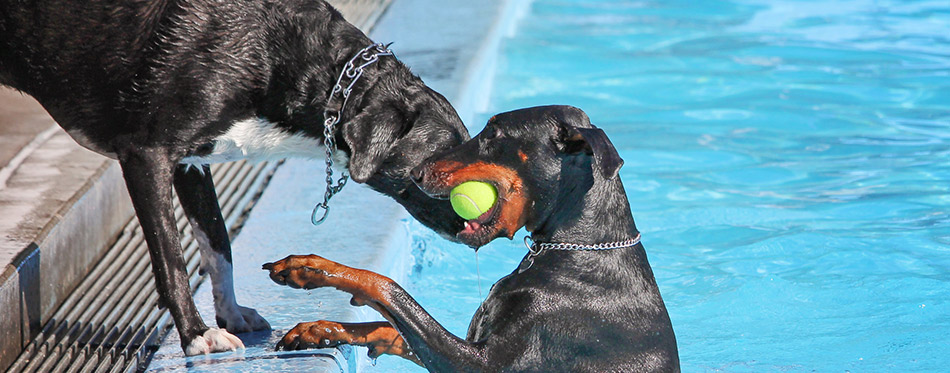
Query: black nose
[{"x": 417, "y": 174}]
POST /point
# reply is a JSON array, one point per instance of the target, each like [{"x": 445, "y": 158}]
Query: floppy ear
[
  {"x": 593, "y": 141},
  {"x": 370, "y": 138}
]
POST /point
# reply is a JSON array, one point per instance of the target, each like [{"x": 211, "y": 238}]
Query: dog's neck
[
  {"x": 366, "y": 84},
  {"x": 372, "y": 75},
  {"x": 600, "y": 215},
  {"x": 298, "y": 104}
]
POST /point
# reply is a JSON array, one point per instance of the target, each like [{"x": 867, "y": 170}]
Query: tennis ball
[{"x": 471, "y": 199}]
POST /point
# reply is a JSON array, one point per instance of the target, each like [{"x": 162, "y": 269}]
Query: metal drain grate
[{"x": 111, "y": 321}]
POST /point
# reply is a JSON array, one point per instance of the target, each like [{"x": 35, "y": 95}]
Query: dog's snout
[{"x": 417, "y": 174}]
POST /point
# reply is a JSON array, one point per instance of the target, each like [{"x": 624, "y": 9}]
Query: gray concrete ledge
[{"x": 62, "y": 206}]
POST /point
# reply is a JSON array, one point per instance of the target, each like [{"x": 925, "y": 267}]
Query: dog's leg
[
  {"x": 438, "y": 349},
  {"x": 196, "y": 192},
  {"x": 380, "y": 337},
  {"x": 148, "y": 175}
]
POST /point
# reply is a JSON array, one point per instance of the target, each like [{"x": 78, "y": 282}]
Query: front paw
[
  {"x": 237, "y": 319},
  {"x": 317, "y": 334},
  {"x": 211, "y": 341},
  {"x": 302, "y": 271}
]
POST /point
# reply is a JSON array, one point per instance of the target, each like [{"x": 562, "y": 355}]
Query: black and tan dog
[
  {"x": 156, "y": 84},
  {"x": 584, "y": 298}
]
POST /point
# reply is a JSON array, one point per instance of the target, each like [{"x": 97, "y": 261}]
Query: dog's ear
[
  {"x": 370, "y": 137},
  {"x": 594, "y": 142}
]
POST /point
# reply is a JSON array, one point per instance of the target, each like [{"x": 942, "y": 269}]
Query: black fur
[
  {"x": 577, "y": 311},
  {"x": 151, "y": 82}
]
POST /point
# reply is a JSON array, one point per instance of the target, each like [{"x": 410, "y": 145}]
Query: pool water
[{"x": 788, "y": 163}]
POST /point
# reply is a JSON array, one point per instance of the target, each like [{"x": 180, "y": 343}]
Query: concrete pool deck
[{"x": 55, "y": 197}]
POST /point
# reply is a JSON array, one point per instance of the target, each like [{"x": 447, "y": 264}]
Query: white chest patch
[{"x": 256, "y": 139}]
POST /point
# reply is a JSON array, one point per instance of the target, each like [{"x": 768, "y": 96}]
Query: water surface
[{"x": 786, "y": 161}]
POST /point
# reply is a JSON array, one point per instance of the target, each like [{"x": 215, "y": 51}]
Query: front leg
[
  {"x": 312, "y": 271},
  {"x": 148, "y": 175},
  {"x": 380, "y": 337},
  {"x": 196, "y": 192},
  {"x": 435, "y": 347}
]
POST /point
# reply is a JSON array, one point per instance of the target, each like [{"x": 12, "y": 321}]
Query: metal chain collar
[
  {"x": 352, "y": 71},
  {"x": 535, "y": 248}
]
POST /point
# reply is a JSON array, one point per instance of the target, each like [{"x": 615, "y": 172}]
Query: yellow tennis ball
[{"x": 471, "y": 199}]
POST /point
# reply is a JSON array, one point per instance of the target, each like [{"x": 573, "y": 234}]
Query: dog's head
[
  {"x": 537, "y": 159},
  {"x": 390, "y": 137}
]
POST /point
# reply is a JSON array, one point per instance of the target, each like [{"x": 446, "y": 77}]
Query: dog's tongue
[{"x": 471, "y": 226}]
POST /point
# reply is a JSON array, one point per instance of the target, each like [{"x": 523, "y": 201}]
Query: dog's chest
[
  {"x": 257, "y": 139},
  {"x": 85, "y": 141},
  {"x": 495, "y": 313}
]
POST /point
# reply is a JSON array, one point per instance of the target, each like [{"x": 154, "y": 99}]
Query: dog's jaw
[{"x": 502, "y": 220}]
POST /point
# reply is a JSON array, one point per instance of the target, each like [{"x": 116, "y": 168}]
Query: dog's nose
[{"x": 417, "y": 174}]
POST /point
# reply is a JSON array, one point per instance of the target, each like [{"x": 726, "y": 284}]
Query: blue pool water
[{"x": 788, "y": 163}]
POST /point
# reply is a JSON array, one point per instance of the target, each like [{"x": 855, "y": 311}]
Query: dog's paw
[
  {"x": 317, "y": 334},
  {"x": 213, "y": 340},
  {"x": 238, "y": 319},
  {"x": 302, "y": 271}
]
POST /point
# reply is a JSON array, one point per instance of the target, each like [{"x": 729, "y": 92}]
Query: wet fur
[
  {"x": 561, "y": 311},
  {"x": 152, "y": 83}
]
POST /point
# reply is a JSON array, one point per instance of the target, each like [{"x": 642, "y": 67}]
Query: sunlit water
[{"x": 788, "y": 163}]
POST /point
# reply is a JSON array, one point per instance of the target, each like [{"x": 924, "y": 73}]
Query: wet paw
[
  {"x": 213, "y": 340},
  {"x": 301, "y": 271},
  {"x": 317, "y": 334}
]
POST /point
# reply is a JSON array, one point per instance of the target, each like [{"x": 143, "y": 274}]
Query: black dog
[
  {"x": 156, "y": 84},
  {"x": 583, "y": 299}
]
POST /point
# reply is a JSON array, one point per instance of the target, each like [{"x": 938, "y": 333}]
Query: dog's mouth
[
  {"x": 477, "y": 232},
  {"x": 503, "y": 218},
  {"x": 481, "y": 230},
  {"x": 435, "y": 214}
]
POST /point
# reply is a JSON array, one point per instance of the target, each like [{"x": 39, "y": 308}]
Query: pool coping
[{"x": 46, "y": 219}]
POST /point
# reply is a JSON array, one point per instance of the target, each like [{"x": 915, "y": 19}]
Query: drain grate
[{"x": 111, "y": 321}]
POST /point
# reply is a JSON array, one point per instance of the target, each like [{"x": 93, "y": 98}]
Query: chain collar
[
  {"x": 536, "y": 248},
  {"x": 352, "y": 72}
]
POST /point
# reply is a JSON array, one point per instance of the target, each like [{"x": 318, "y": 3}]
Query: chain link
[
  {"x": 352, "y": 71},
  {"x": 600, "y": 246},
  {"x": 535, "y": 248}
]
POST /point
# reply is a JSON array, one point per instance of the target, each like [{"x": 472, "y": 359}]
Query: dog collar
[
  {"x": 536, "y": 248},
  {"x": 351, "y": 73}
]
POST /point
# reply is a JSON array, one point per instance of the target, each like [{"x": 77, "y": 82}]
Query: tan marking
[
  {"x": 510, "y": 188},
  {"x": 366, "y": 286},
  {"x": 523, "y": 156},
  {"x": 380, "y": 337}
]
